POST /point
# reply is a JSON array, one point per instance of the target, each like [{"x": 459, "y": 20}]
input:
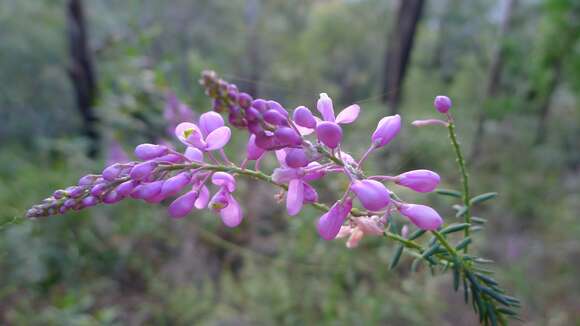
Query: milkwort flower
[{"x": 162, "y": 172}]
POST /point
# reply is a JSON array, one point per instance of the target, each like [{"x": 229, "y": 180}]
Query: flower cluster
[{"x": 307, "y": 147}]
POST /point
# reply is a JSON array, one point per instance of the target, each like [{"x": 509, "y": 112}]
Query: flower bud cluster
[{"x": 307, "y": 147}]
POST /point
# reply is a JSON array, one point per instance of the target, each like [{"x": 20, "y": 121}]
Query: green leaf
[
  {"x": 429, "y": 252},
  {"x": 455, "y": 278},
  {"x": 448, "y": 192},
  {"x": 415, "y": 265},
  {"x": 455, "y": 228},
  {"x": 463, "y": 243},
  {"x": 478, "y": 220},
  {"x": 476, "y": 228},
  {"x": 498, "y": 297},
  {"x": 490, "y": 281},
  {"x": 491, "y": 313},
  {"x": 461, "y": 211},
  {"x": 396, "y": 257},
  {"x": 481, "y": 198},
  {"x": 416, "y": 234},
  {"x": 465, "y": 291}
]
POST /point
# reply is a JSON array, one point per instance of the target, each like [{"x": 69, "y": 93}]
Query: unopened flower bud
[
  {"x": 112, "y": 172},
  {"x": 329, "y": 133},
  {"x": 387, "y": 129},
  {"x": 287, "y": 136},
  {"x": 244, "y": 100},
  {"x": 182, "y": 205},
  {"x": 304, "y": 118},
  {"x": 329, "y": 224},
  {"x": 253, "y": 151},
  {"x": 419, "y": 180},
  {"x": 424, "y": 217},
  {"x": 150, "y": 151},
  {"x": 372, "y": 194},
  {"x": 442, "y": 103},
  {"x": 296, "y": 158},
  {"x": 142, "y": 170},
  {"x": 274, "y": 117}
]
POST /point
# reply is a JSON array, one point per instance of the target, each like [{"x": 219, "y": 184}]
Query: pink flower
[
  {"x": 191, "y": 135},
  {"x": 223, "y": 202},
  {"x": 424, "y": 217},
  {"x": 360, "y": 227},
  {"x": 419, "y": 180},
  {"x": 372, "y": 194},
  {"x": 442, "y": 103},
  {"x": 299, "y": 191},
  {"x": 328, "y": 131},
  {"x": 330, "y": 223},
  {"x": 387, "y": 129}
]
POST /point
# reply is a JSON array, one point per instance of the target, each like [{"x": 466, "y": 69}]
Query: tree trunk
[
  {"x": 81, "y": 72},
  {"x": 252, "y": 15},
  {"x": 547, "y": 101},
  {"x": 398, "y": 52},
  {"x": 494, "y": 74}
]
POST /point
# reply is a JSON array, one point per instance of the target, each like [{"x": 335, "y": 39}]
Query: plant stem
[
  {"x": 445, "y": 244},
  {"x": 464, "y": 175}
]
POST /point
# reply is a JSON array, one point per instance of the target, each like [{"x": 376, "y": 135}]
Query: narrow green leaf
[
  {"x": 465, "y": 291},
  {"x": 476, "y": 228},
  {"x": 448, "y": 192},
  {"x": 478, "y": 220},
  {"x": 506, "y": 311},
  {"x": 461, "y": 211},
  {"x": 498, "y": 297},
  {"x": 475, "y": 297},
  {"x": 463, "y": 243},
  {"x": 455, "y": 228},
  {"x": 416, "y": 234},
  {"x": 455, "y": 278},
  {"x": 396, "y": 257},
  {"x": 486, "y": 279},
  {"x": 481, "y": 198},
  {"x": 415, "y": 265},
  {"x": 429, "y": 252},
  {"x": 492, "y": 316}
]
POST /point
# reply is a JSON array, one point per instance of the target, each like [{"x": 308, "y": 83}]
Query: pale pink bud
[
  {"x": 372, "y": 194},
  {"x": 424, "y": 217},
  {"x": 387, "y": 129},
  {"x": 442, "y": 103},
  {"x": 329, "y": 133},
  {"x": 419, "y": 180},
  {"x": 150, "y": 151},
  {"x": 429, "y": 122}
]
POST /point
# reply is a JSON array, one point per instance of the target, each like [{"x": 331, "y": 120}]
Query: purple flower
[
  {"x": 253, "y": 151},
  {"x": 191, "y": 135},
  {"x": 304, "y": 118},
  {"x": 175, "y": 184},
  {"x": 424, "y": 217},
  {"x": 387, "y": 129},
  {"x": 150, "y": 151},
  {"x": 442, "y": 103},
  {"x": 224, "y": 202},
  {"x": 299, "y": 191},
  {"x": 328, "y": 131},
  {"x": 329, "y": 224},
  {"x": 143, "y": 170},
  {"x": 372, "y": 194},
  {"x": 183, "y": 205},
  {"x": 419, "y": 180}
]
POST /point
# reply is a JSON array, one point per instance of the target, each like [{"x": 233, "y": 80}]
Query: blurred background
[{"x": 83, "y": 82}]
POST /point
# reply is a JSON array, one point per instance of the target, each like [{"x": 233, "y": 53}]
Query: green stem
[
  {"x": 464, "y": 175},
  {"x": 445, "y": 244},
  {"x": 264, "y": 177}
]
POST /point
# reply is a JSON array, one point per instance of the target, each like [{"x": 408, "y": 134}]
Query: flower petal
[
  {"x": 232, "y": 214},
  {"x": 324, "y": 106},
  {"x": 210, "y": 121},
  {"x": 218, "y": 138},
  {"x": 224, "y": 179},
  {"x": 348, "y": 115},
  {"x": 203, "y": 198},
  {"x": 295, "y": 197}
]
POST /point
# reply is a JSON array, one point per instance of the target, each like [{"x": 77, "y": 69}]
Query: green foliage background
[{"x": 130, "y": 264}]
